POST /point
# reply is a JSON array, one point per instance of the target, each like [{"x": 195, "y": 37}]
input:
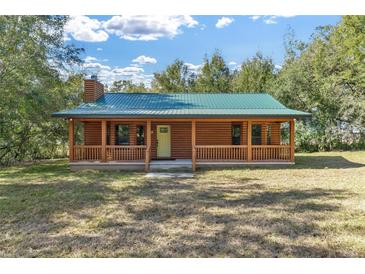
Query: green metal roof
[{"x": 182, "y": 105}]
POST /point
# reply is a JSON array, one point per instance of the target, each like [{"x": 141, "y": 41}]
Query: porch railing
[
  {"x": 240, "y": 153},
  {"x": 113, "y": 153},
  {"x": 221, "y": 152},
  {"x": 125, "y": 153},
  {"x": 87, "y": 153},
  {"x": 271, "y": 152},
  {"x": 203, "y": 153}
]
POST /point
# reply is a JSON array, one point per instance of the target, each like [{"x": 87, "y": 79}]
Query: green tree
[
  {"x": 128, "y": 86},
  {"x": 326, "y": 77},
  {"x": 176, "y": 78},
  {"x": 214, "y": 76},
  {"x": 256, "y": 75},
  {"x": 34, "y": 83}
]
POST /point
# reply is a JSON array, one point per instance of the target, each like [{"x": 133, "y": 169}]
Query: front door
[{"x": 163, "y": 141}]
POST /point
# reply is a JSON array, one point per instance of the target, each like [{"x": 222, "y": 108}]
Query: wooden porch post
[
  {"x": 71, "y": 138},
  {"x": 292, "y": 139},
  {"x": 103, "y": 140},
  {"x": 193, "y": 144},
  {"x": 148, "y": 147},
  {"x": 249, "y": 140}
]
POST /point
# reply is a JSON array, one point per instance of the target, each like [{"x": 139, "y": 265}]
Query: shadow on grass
[
  {"x": 302, "y": 162},
  {"x": 320, "y": 162},
  {"x": 161, "y": 217},
  {"x": 33, "y": 196},
  {"x": 236, "y": 227},
  {"x": 58, "y": 170}
]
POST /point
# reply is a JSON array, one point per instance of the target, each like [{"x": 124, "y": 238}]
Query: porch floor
[{"x": 155, "y": 165}]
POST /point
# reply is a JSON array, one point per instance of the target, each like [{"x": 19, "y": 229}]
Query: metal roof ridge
[
  {"x": 193, "y": 93},
  {"x": 146, "y": 108}
]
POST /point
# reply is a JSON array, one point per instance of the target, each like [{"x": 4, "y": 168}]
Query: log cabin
[{"x": 126, "y": 131}]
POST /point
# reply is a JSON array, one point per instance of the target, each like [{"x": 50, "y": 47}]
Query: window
[
  {"x": 140, "y": 135},
  {"x": 122, "y": 135},
  {"x": 236, "y": 134},
  {"x": 107, "y": 134},
  {"x": 256, "y": 134},
  {"x": 164, "y": 130},
  {"x": 284, "y": 133}
]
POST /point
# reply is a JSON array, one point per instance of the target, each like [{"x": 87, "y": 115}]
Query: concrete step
[{"x": 178, "y": 165}]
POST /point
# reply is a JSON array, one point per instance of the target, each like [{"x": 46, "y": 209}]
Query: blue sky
[{"x": 111, "y": 43}]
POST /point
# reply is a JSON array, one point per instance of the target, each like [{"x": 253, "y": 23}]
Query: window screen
[
  {"x": 256, "y": 134},
  {"x": 140, "y": 135},
  {"x": 122, "y": 135},
  {"x": 107, "y": 134},
  {"x": 236, "y": 134}
]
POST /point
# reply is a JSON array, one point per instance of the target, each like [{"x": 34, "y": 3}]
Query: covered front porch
[{"x": 133, "y": 144}]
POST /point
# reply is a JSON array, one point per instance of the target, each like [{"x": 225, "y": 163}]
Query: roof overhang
[{"x": 179, "y": 116}]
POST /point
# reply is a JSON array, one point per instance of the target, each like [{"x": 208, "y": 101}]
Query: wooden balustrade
[
  {"x": 86, "y": 153},
  {"x": 221, "y": 152},
  {"x": 113, "y": 153},
  {"x": 203, "y": 153},
  {"x": 240, "y": 153},
  {"x": 125, "y": 153},
  {"x": 271, "y": 153}
]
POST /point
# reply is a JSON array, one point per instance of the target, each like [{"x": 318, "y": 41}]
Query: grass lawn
[{"x": 313, "y": 209}]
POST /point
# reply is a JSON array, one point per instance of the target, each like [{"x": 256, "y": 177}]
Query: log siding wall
[
  {"x": 181, "y": 148},
  {"x": 92, "y": 133},
  {"x": 214, "y": 133}
]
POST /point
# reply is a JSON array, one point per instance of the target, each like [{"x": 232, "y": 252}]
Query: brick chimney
[{"x": 93, "y": 90}]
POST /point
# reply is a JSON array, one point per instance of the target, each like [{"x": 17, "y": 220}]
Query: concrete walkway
[{"x": 169, "y": 175}]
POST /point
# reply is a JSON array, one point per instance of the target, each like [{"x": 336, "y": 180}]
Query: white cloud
[
  {"x": 141, "y": 27},
  {"x": 234, "y": 66},
  {"x": 193, "y": 68},
  {"x": 141, "y": 60},
  {"x": 127, "y": 71},
  {"x": 223, "y": 22},
  {"x": 146, "y": 79},
  {"x": 148, "y": 27},
  {"x": 99, "y": 49},
  {"x": 95, "y": 66},
  {"x": 108, "y": 75},
  {"x": 90, "y": 59},
  {"x": 278, "y": 67},
  {"x": 66, "y": 37},
  {"x": 270, "y": 20},
  {"x": 255, "y": 17},
  {"x": 83, "y": 28}
]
